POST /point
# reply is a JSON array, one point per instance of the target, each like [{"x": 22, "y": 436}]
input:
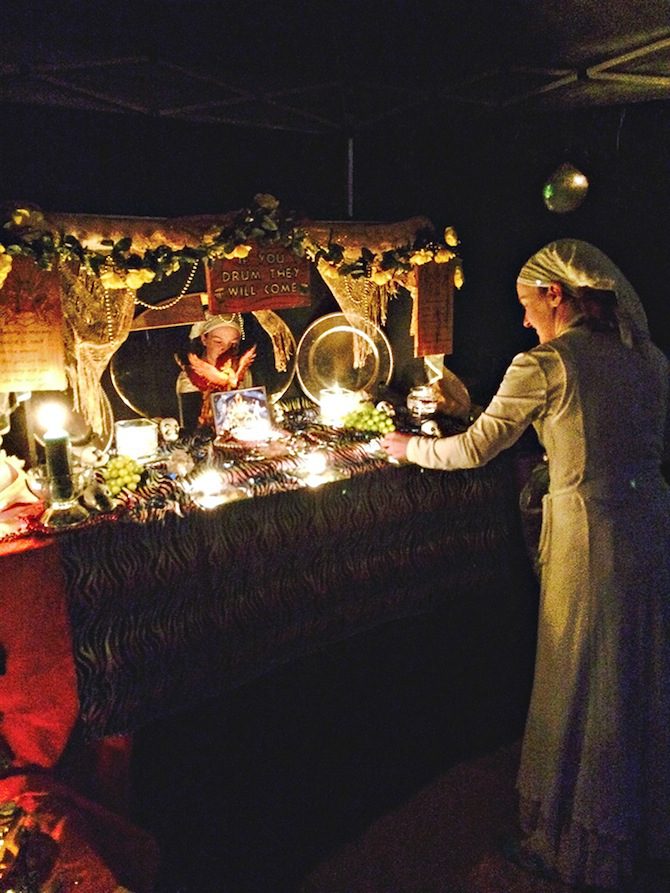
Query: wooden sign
[
  {"x": 191, "y": 308},
  {"x": 434, "y": 310},
  {"x": 32, "y": 353},
  {"x": 269, "y": 278}
]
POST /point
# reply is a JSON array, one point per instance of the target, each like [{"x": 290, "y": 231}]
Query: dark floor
[
  {"x": 447, "y": 839},
  {"x": 254, "y": 792}
]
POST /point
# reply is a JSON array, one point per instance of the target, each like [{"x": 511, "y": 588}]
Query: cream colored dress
[{"x": 595, "y": 769}]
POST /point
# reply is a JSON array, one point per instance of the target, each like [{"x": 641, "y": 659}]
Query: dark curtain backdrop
[
  {"x": 485, "y": 174},
  {"x": 481, "y": 172}
]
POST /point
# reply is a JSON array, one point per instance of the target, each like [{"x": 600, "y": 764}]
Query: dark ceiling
[{"x": 332, "y": 67}]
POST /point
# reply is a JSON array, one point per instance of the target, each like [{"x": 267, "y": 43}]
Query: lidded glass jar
[{"x": 422, "y": 401}]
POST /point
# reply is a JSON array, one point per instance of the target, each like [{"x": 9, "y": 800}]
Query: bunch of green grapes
[
  {"x": 120, "y": 472},
  {"x": 367, "y": 417}
]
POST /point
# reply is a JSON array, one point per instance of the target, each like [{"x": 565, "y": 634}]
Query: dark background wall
[
  {"x": 485, "y": 175},
  {"x": 482, "y": 173}
]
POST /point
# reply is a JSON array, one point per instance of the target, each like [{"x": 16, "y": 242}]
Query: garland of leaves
[{"x": 24, "y": 232}]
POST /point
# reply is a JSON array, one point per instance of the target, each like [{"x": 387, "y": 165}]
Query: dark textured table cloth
[{"x": 167, "y": 613}]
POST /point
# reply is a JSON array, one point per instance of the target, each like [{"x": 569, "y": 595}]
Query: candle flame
[{"x": 51, "y": 416}]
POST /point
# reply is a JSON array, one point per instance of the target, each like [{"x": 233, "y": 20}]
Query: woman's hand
[
  {"x": 224, "y": 378},
  {"x": 395, "y": 445},
  {"x": 245, "y": 362}
]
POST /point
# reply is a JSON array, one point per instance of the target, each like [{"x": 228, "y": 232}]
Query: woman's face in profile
[
  {"x": 220, "y": 341},
  {"x": 539, "y": 312}
]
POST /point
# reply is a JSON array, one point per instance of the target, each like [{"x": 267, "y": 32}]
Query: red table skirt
[
  {"x": 38, "y": 690},
  {"x": 73, "y": 843}
]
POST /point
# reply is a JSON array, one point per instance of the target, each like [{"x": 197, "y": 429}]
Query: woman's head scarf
[
  {"x": 205, "y": 326},
  {"x": 576, "y": 264}
]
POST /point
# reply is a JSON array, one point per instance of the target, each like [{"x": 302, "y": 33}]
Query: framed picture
[{"x": 244, "y": 414}]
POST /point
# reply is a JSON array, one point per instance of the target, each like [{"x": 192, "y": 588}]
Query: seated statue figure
[{"x": 214, "y": 362}]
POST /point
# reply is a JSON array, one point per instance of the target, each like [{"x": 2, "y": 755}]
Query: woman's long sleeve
[{"x": 520, "y": 400}]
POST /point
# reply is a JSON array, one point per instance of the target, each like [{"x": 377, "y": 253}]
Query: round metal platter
[{"x": 346, "y": 352}]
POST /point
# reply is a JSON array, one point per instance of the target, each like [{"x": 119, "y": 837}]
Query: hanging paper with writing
[
  {"x": 32, "y": 354},
  {"x": 433, "y": 322}
]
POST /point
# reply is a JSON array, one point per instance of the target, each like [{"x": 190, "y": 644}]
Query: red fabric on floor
[
  {"x": 100, "y": 770},
  {"x": 91, "y": 850},
  {"x": 38, "y": 691}
]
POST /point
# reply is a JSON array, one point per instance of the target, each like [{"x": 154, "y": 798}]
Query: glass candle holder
[
  {"x": 60, "y": 494},
  {"x": 314, "y": 468},
  {"x": 209, "y": 489},
  {"x": 314, "y": 462}
]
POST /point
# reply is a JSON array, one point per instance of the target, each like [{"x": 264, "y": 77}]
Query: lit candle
[
  {"x": 336, "y": 403},
  {"x": 137, "y": 438},
  {"x": 314, "y": 468},
  {"x": 314, "y": 463},
  {"x": 207, "y": 489}
]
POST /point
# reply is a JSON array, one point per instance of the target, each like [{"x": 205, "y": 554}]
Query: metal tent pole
[{"x": 350, "y": 177}]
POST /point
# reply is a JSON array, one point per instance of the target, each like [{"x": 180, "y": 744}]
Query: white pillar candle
[
  {"x": 137, "y": 438},
  {"x": 336, "y": 403}
]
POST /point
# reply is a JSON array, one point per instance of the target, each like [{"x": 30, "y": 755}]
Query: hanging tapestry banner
[
  {"x": 268, "y": 278},
  {"x": 32, "y": 353},
  {"x": 433, "y": 312}
]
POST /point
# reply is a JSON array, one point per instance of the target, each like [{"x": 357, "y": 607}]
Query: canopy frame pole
[{"x": 350, "y": 177}]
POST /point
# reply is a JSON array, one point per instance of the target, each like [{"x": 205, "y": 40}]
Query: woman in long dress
[{"x": 594, "y": 779}]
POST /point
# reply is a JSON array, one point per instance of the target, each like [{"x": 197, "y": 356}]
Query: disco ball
[{"x": 565, "y": 189}]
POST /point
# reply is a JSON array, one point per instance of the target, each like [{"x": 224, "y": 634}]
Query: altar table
[
  {"x": 108, "y": 627},
  {"x": 160, "y": 615}
]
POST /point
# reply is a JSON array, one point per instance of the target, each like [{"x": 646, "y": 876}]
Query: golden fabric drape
[{"x": 97, "y": 322}]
